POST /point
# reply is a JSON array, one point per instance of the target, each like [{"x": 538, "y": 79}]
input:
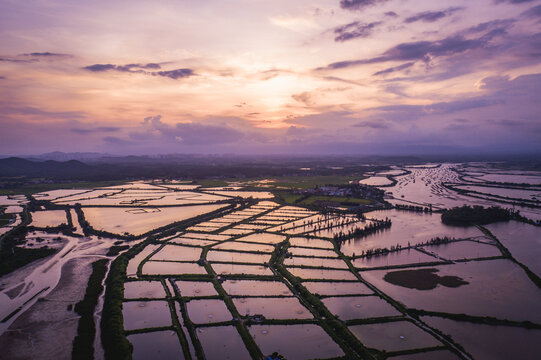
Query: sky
[{"x": 270, "y": 77}]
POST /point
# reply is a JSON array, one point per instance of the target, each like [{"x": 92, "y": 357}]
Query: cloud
[
  {"x": 421, "y": 50},
  {"x": 394, "y": 69},
  {"x": 194, "y": 133},
  {"x": 432, "y": 16},
  {"x": 534, "y": 12},
  {"x": 174, "y": 74},
  {"x": 98, "y": 129},
  {"x": 33, "y": 111},
  {"x": 372, "y": 124},
  {"x": 142, "y": 69},
  {"x": 391, "y": 14},
  {"x": 305, "y": 98},
  {"x": 513, "y": 1},
  {"x": 359, "y": 4},
  {"x": 354, "y": 30},
  {"x": 48, "y": 55},
  {"x": 100, "y": 67}
]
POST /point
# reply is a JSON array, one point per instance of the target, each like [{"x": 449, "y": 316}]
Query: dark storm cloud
[
  {"x": 394, "y": 69},
  {"x": 432, "y": 16},
  {"x": 142, "y": 69},
  {"x": 354, "y": 30},
  {"x": 359, "y": 4},
  {"x": 422, "y": 50},
  {"x": 534, "y": 12},
  {"x": 99, "y": 129}
]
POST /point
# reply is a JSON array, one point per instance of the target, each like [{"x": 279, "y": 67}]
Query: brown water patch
[{"x": 422, "y": 279}]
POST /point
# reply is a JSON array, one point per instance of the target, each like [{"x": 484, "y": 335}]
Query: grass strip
[{"x": 83, "y": 344}]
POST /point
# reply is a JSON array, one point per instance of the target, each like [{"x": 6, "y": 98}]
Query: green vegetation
[
  {"x": 83, "y": 344},
  {"x": 422, "y": 279},
  {"x": 13, "y": 257},
  {"x": 290, "y": 182},
  {"x": 467, "y": 215},
  {"x": 347, "y": 201},
  {"x": 115, "y": 344},
  {"x": 5, "y": 219},
  {"x": 20, "y": 257},
  {"x": 116, "y": 249}
]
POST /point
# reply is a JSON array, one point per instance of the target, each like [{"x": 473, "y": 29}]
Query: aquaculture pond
[{"x": 257, "y": 277}]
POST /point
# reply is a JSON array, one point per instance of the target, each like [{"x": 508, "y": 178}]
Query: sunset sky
[{"x": 262, "y": 77}]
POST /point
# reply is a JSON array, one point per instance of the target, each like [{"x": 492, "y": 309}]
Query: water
[
  {"x": 272, "y": 308},
  {"x": 359, "y": 307},
  {"x": 223, "y": 342},
  {"x": 299, "y": 342},
  {"x": 163, "y": 345},
  {"x": 497, "y": 288},
  {"x": 394, "y": 336},
  {"x": 146, "y": 314},
  {"x": 206, "y": 311}
]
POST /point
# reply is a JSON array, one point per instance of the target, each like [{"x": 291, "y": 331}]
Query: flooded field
[{"x": 259, "y": 277}]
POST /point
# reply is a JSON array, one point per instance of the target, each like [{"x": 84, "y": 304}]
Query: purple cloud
[
  {"x": 432, "y": 16},
  {"x": 354, "y": 30},
  {"x": 372, "y": 124},
  {"x": 142, "y": 69},
  {"x": 394, "y": 69},
  {"x": 98, "y": 129},
  {"x": 47, "y": 54},
  {"x": 534, "y": 12},
  {"x": 174, "y": 74},
  {"x": 32, "y": 111},
  {"x": 100, "y": 67},
  {"x": 359, "y": 4},
  {"x": 422, "y": 50}
]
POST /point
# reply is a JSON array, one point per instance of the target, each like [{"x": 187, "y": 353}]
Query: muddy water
[{"x": 43, "y": 278}]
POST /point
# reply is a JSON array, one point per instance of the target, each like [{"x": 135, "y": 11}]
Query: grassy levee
[
  {"x": 487, "y": 320},
  {"x": 506, "y": 253},
  {"x": 336, "y": 329},
  {"x": 249, "y": 341},
  {"x": 176, "y": 322},
  {"x": 83, "y": 344},
  {"x": 115, "y": 344}
]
